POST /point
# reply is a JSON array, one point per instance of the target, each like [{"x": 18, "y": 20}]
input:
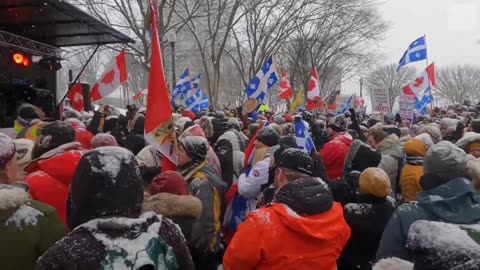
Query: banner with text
[
  {"x": 407, "y": 106},
  {"x": 380, "y": 100}
]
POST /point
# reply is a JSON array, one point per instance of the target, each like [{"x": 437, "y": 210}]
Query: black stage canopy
[{"x": 56, "y": 23}]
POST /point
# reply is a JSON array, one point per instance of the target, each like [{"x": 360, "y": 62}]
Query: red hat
[
  {"x": 288, "y": 117},
  {"x": 169, "y": 182},
  {"x": 189, "y": 114}
]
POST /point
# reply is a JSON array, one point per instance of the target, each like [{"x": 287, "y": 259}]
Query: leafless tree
[
  {"x": 342, "y": 41},
  {"x": 386, "y": 77},
  {"x": 458, "y": 83}
]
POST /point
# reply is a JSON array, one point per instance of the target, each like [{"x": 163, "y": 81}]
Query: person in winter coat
[
  {"x": 448, "y": 197},
  {"x": 367, "y": 218},
  {"x": 168, "y": 195},
  {"x": 360, "y": 157},
  {"x": 23, "y": 156},
  {"x": 474, "y": 172},
  {"x": 333, "y": 153},
  {"x": 415, "y": 150},
  {"x": 206, "y": 185},
  {"x": 212, "y": 158},
  {"x": 110, "y": 232},
  {"x": 302, "y": 229},
  {"x": 27, "y": 228},
  {"x": 392, "y": 155},
  {"x": 229, "y": 149},
  {"x": 8, "y": 167},
  {"x": 470, "y": 143},
  {"x": 55, "y": 157},
  {"x": 28, "y": 122},
  {"x": 135, "y": 143},
  {"x": 443, "y": 246},
  {"x": 82, "y": 135}
]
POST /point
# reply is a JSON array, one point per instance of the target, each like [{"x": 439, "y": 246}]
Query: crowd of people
[{"x": 376, "y": 192}]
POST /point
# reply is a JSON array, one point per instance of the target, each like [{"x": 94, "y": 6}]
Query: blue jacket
[{"x": 455, "y": 202}]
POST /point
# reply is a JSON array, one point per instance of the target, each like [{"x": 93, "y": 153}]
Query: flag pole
[{"x": 429, "y": 84}]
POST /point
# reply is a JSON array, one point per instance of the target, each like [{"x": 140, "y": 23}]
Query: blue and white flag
[
  {"x": 266, "y": 78},
  {"x": 197, "y": 102},
  {"x": 346, "y": 106},
  {"x": 304, "y": 140},
  {"x": 422, "y": 104},
  {"x": 417, "y": 51},
  {"x": 182, "y": 87}
]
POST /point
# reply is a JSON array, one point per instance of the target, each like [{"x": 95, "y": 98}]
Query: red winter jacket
[
  {"x": 84, "y": 137},
  {"x": 333, "y": 154},
  {"x": 49, "y": 177}
]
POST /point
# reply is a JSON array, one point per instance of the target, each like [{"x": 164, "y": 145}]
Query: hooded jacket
[
  {"x": 333, "y": 154},
  {"x": 391, "y": 157},
  {"x": 104, "y": 209},
  {"x": 412, "y": 171},
  {"x": 467, "y": 140},
  {"x": 184, "y": 210},
  {"x": 303, "y": 229},
  {"x": 455, "y": 202},
  {"x": 237, "y": 155},
  {"x": 49, "y": 177},
  {"x": 27, "y": 228}
]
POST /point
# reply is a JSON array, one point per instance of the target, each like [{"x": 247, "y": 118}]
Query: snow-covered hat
[
  {"x": 375, "y": 181},
  {"x": 107, "y": 182},
  {"x": 7, "y": 149},
  {"x": 103, "y": 139},
  {"x": 297, "y": 160},
  {"x": 338, "y": 123},
  {"x": 268, "y": 136},
  {"x": 195, "y": 146}
]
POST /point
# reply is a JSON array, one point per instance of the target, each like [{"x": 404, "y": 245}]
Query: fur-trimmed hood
[
  {"x": 12, "y": 196},
  {"x": 360, "y": 156},
  {"x": 171, "y": 205},
  {"x": 390, "y": 146},
  {"x": 469, "y": 138}
]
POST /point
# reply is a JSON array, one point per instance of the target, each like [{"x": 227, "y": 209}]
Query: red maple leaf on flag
[
  {"x": 418, "y": 82},
  {"x": 109, "y": 76}
]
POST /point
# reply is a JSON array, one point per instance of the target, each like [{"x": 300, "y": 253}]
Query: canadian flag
[
  {"x": 314, "y": 100},
  {"x": 114, "y": 75},
  {"x": 285, "y": 90},
  {"x": 76, "y": 97},
  {"x": 360, "y": 102},
  {"x": 140, "y": 94},
  {"x": 419, "y": 85}
]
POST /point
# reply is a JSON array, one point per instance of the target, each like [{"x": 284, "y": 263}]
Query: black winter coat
[
  {"x": 367, "y": 219},
  {"x": 80, "y": 250}
]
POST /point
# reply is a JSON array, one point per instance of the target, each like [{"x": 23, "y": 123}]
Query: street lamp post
[
  {"x": 172, "y": 38},
  {"x": 361, "y": 87}
]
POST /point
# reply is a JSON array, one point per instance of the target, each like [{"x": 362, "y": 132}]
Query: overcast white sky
[{"x": 452, "y": 28}]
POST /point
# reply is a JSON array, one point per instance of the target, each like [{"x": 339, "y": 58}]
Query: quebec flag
[
  {"x": 304, "y": 140},
  {"x": 417, "y": 51},
  {"x": 266, "y": 78},
  {"x": 420, "y": 88},
  {"x": 182, "y": 87},
  {"x": 197, "y": 102}
]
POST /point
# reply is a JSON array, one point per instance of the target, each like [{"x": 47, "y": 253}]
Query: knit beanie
[
  {"x": 52, "y": 136},
  {"x": 7, "y": 149},
  {"x": 107, "y": 182},
  {"x": 296, "y": 160},
  {"x": 434, "y": 133},
  {"x": 103, "y": 139},
  {"x": 445, "y": 158},
  {"x": 338, "y": 123},
  {"x": 195, "y": 130},
  {"x": 375, "y": 181},
  {"x": 188, "y": 113},
  {"x": 169, "y": 182},
  {"x": 196, "y": 147},
  {"x": 268, "y": 136}
]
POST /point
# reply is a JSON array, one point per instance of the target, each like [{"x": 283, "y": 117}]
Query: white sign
[
  {"x": 407, "y": 105},
  {"x": 380, "y": 100}
]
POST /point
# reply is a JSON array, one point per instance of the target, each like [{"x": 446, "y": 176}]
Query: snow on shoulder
[
  {"x": 24, "y": 216},
  {"x": 111, "y": 159},
  {"x": 446, "y": 239},
  {"x": 393, "y": 264}
]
